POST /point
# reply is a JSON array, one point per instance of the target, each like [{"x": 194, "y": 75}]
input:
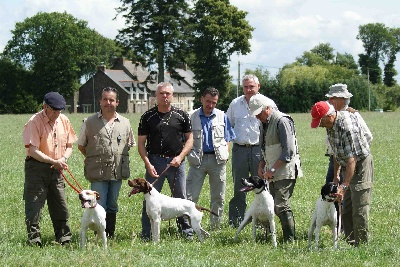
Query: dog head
[
  {"x": 139, "y": 185},
  {"x": 89, "y": 198},
  {"x": 252, "y": 183},
  {"x": 328, "y": 192}
]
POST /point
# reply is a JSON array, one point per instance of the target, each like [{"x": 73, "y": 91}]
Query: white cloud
[{"x": 284, "y": 29}]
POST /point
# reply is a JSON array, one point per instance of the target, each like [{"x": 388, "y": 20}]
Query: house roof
[{"x": 182, "y": 80}]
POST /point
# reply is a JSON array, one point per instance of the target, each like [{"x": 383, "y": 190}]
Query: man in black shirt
[{"x": 164, "y": 139}]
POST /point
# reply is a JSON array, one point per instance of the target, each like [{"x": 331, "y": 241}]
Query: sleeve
[
  {"x": 229, "y": 133},
  {"x": 187, "y": 124},
  {"x": 31, "y": 135},
  {"x": 143, "y": 128}
]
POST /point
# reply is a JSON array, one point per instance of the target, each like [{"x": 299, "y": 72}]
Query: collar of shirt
[{"x": 99, "y": 115}]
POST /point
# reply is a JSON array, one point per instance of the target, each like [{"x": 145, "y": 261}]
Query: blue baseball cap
[{"x": 55, "y": 100}]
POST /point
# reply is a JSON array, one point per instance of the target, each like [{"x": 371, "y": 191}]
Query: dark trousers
[
  {"x": 176, "y": 178},
  {"x": 44, "y": 183}
]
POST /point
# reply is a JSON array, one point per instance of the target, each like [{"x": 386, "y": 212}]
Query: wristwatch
[
  {"x": 66, "y": 159},
  {"x": 343, "y": 186},
  {"x": 272, "y": 170}
]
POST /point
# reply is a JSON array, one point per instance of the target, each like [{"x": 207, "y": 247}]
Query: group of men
[{"x": 264, "y": 144}]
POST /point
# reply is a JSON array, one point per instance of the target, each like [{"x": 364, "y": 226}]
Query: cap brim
[
  {"x": 315, "y": 123},
  {"x": 257, "y": 111}
]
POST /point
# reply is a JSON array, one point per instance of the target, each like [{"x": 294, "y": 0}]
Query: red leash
[{"x": 70, "y": 184}]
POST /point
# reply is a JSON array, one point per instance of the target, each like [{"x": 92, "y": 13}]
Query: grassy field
[{"x": 218, "y": 250}]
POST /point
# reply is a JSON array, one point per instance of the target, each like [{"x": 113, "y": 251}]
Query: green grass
[{"x": 218, "y": 250}]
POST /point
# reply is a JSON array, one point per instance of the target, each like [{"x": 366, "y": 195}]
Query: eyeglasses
[
  {"x": 53, "y": 109},
  {"x": 320, "y": 122}
]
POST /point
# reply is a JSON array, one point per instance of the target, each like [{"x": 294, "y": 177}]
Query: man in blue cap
[{"x": 48, "y": 137}]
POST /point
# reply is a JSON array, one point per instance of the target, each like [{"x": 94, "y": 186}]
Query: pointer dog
[
  {"x": 324, "y": 214},
  {"x": 261, "y": 210},
  {"x": 161, "y": 207},
  {"x": 94, "y": 216}
]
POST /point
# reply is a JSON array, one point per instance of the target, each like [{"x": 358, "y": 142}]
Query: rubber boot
[
  {"x": 110, "y": 224},
  {"x": 288, "y": 226}
]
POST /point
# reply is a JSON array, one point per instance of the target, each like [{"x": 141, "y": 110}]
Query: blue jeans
[
  {"x": 109, "y": 191},
  {"x": 176, "y": 177}
]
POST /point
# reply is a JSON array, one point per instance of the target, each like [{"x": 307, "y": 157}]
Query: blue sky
[{"x": 284, "y": 29}]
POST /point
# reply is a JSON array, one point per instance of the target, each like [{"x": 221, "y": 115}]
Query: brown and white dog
[
  {"x": 324, "y": 214},
  {"x": 94, "y": 216},
  {"x": 161, "y": 207},
  {"x": 261, "y": 210}
]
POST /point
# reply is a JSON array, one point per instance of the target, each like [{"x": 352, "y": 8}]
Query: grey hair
[
  {"x": 250, "y": 77},
  {"x": 165, "y": 85}
]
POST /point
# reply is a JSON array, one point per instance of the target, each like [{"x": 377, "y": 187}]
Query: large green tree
[
  {"x": 59, "y": 50},
  {"x": 374, "y": 37},
  {"x": 154, "y": 31},
  {"x": 15, "y": 96},
  {"x": 218, "y": 30}
]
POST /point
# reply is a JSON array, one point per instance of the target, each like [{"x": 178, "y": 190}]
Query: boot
[
  {"x": 288, "y": 226},
  {"x": 110, "y": 224}
]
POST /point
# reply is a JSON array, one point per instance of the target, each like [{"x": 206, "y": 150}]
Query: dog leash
[
  {"x": 166, "y": 169},
  {"x": 70, "y": 184},
  {"x": 339, "y": 230}
]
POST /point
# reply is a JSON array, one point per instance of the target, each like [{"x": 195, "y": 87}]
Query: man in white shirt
[{"x": 246, "y": 152}]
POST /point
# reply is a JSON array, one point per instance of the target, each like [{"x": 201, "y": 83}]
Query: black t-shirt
[{"x": 165, "y": 131}]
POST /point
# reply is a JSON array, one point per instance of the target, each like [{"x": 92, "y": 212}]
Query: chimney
[{"x": 102, "y": 68}]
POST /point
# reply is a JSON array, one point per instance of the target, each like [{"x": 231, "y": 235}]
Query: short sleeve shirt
[
  {"x": 50, "y": 139},
  {"x": 165, "y": 131}
]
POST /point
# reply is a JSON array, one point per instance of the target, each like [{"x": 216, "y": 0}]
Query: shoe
[
  {"x": 66, "y": 243},
  {"x": 35, "y": 244},
  {"x": 145, "y": 238},
  {"x": 189, "y": 237},
  {"x": 351, "y": 242}
]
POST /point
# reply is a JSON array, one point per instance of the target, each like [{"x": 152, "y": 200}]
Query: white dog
[
  {"x": 94, "y": 216},
  {"x": 324, "y": 214},
  {"x": 261, "y": 210},
  {"x": 161, "y": 207}
]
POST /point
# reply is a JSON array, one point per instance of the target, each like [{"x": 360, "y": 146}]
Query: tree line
[{"x": 53, "y": 51}]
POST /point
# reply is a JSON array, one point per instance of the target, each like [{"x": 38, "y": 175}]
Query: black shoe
[
  {"x": 145, "y": 238},
  {"x": 35, "y": 244}
]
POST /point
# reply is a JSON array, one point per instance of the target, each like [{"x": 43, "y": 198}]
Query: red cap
[{"x": 318, "y": 111}]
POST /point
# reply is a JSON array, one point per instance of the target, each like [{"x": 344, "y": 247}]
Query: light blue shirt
[{"x": 206, "y": 125}]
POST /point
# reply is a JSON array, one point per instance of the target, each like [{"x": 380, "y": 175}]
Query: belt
[
  {"x": 166, "y": 155},
  {"x": 246, "y": 145},
  {"x": 208, "y": 152}
]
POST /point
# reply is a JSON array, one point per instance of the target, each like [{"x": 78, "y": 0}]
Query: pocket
[
  {"x": 125, "y": 170},
  {"x": 194, "y": 157},
  {"x": 222, "y": 152},
  {"x": 196, "y": 134}
]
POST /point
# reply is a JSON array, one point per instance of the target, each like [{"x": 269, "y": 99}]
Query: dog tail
[{"x": 200, "y": 208}]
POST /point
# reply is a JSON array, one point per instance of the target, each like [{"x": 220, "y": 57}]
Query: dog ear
[{"x": 97, "y": 195}]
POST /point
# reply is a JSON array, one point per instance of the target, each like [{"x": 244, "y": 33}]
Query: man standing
[
  {"x": 351, "y": 151},
  {"x": 339, "y": 97},
  {"x": 48, "y": 138},
  {"x": 105, "y": 140},
  {"x": 164, "y": 139},
  {"x": 281, "y": 160},
  {"x": 246, "y": 150},
  {"x": 211, "y": 133}
]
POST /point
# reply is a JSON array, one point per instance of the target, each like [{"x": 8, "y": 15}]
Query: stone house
[{"x": 136, "y": 87}]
